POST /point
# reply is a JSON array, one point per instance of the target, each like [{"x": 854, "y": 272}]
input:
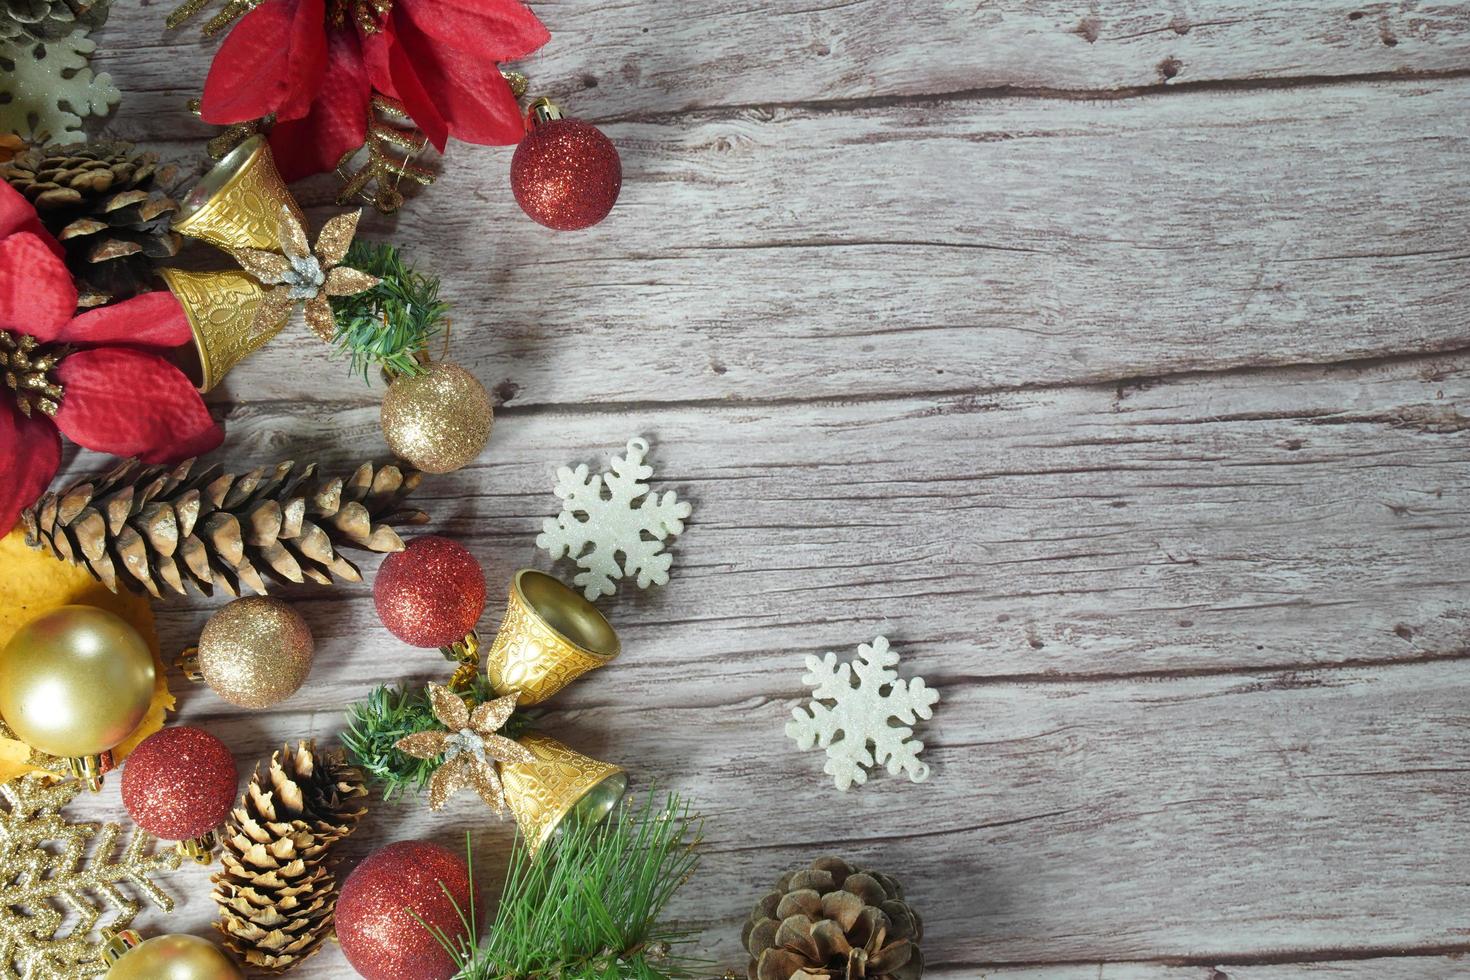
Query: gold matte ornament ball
[
  {"x": 438, "y": 420},
  {"x": 176, "y": 957},
  {"x": 256, "y": 651},
  {"x": 75, "y": 681}
]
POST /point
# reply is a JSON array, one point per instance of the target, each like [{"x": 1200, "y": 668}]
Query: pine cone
[
  {"x": 110, "y": 208},
  {"x": 50, "y": 20},
  {"x": 275, "y": 889},
  {"x": 146, "y": 526},
  {"x": 831, "y": 920}
]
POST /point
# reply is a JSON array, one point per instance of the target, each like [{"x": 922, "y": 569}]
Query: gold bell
[
  {"x": 238, "y": 203},
  {"x": 221, "y": 311},
  {"x": 549, "y": 637},
  {"x": 560, "y": 787}
]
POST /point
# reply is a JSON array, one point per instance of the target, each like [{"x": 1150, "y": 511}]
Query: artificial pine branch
[
  {"x": 388, "y": 714},
  {"x": 588, "y": 906},
  {"x": 388, "y": 325}
]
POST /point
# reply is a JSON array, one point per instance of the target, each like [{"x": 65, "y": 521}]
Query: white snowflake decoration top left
[
  {"x": 594, "y": 528},
  {"x": 859, "y": 715}
]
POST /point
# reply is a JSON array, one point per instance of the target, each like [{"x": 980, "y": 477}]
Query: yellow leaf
[{"x": 34, "y": 583}]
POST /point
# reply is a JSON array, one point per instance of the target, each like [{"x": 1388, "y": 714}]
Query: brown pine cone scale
[
  {"x": 831, "y": 921},
  {"x": 276, "y": 889},
  {"x": 158, "y": 528}
]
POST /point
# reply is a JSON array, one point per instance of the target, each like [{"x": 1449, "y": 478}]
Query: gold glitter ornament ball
[
  {"x": 438, "y": 420},
  {"x": 175, "y": 957},
  {"x": 75, "y": 681},
  {"x": 256, "y": 651}
]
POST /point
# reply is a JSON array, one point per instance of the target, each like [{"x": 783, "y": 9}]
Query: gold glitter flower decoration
[
  {"x": 469, "y": 745},
  {"x": 301, "y": 275}
]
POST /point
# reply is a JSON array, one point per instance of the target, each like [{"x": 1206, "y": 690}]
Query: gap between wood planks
[
  {"x": 1122, "y": 383},
  {"x": 984, "y": 93}
]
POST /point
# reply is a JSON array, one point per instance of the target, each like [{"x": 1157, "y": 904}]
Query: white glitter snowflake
[
  {"x": 860, "y": 715},
  {"x": 48, "y": 87},
  {"x": 614, "y": 524}
]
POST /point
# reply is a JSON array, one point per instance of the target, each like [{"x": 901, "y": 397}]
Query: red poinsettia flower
[
  {"x": 94, "y": 377},
  {"x": 316, "y": 63}
]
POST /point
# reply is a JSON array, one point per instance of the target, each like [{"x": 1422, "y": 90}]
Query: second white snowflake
[{"x": 594, "y": 527}]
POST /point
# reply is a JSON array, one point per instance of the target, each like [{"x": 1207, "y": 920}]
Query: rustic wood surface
[{"x": 1112, "y": 362}]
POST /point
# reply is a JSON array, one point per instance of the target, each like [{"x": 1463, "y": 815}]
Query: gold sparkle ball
[
  {"x": 256, "y": 651},
  {"x": 75, "y": 681},
  {"x": 438, "y": 420},
  {"x": 175, "y": 957}
]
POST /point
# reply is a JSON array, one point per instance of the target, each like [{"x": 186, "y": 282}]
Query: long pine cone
[
  {"x": 155, "y": 528},
  {"x": 276, "y": 889}
]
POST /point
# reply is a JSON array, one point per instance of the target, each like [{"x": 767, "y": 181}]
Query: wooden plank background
[{"x": 1110, "y": 359}]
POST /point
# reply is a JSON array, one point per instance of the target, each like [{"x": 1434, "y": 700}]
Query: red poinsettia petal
[
  {"x": 133, "y": 403},
  {"x": 17, "y": 214},
  {"x": 149, "y": 320},
  {"x": 30, "y": 452},
  {"x": 472, "y": 96},
  {"x": 337, "y": 122},
  {"x": 488, "y": 30},
  {"x": 388, "y": 57},
  {"x": 36, "y": 292},
  {"x": 271, "y": 62}
]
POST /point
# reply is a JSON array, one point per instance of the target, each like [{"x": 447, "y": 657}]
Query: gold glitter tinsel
[
  {"x": 255, "y": 652},
  {"x": 391, "y": 144},
  {"x": 438, "y": 420},
  {"x": 49, "y": 878}
]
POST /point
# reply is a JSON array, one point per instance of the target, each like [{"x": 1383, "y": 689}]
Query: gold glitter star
[
  {"x": 300, "y": 275},
  {"x": 469, "y": 745}
]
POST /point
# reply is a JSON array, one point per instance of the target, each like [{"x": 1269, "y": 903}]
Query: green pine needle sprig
[
  {"x": 587, "y": 907},
  {"x": 379, "y": 720},
  {"x": 388, "y": 325}
]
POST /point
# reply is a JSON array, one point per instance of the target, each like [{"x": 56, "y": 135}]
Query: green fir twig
[
  {"x": 379, "y": 720},
  {"x": 389, "y": 325},
  {"x": 587, "y": 907}
]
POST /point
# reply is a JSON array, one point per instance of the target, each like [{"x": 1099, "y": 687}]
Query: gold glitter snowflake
[{"x": 47, "y": 877}]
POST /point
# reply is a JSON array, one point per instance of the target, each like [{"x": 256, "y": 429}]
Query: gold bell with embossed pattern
[
  {"x": 237, "y": 204},
  {"x": 549, "y": 637},
  {"x": 559, "y": 788},
  {"x": 220, "y": 307}
]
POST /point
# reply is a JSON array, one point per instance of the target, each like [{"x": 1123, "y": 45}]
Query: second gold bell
[{"x": 549, "y": 637}]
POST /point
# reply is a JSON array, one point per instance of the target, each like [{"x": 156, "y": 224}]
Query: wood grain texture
[
  {"x": 973, "y": 246},
  {"x": 1112, "y": 360}
]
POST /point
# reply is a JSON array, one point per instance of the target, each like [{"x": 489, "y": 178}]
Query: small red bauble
[
  {"x": 431, "y": 593},
  {"x": 179, "y": 783},
  {"x": 565, "y": 174},
  {"x": 376, "y": 922}
]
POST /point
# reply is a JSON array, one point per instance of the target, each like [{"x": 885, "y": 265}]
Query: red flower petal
[
  {"x": 271, "y": 62},
  {"x": 30, "y": 452},
  {"x": 487, "y": 30},
  {"x": 337, "y": 122},
  {"x": 133, "y": 403},
  {"x": 471, "y": 95},
  {"x": 150, "y": 320},
  {"x": 17, "y": 214},
  {"x": 393, "y": 74},
  {"x": 36, "y": 292}
]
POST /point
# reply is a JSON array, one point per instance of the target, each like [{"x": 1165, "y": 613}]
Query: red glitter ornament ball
[
  {"x": 179, "y": 783},
  {"x": 376, "y": 912},
  {"x": 431, "y": 593},
  {"x": 566, "y": 174}
]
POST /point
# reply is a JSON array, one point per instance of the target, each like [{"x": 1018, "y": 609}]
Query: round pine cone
[
  {"x": 831, "y": 920},
  {"x": 50, "y": 20},
  {"x": 110, "y": 208}
]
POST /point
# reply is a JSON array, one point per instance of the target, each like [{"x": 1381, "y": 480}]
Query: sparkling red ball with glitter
[
  {"x": 566, "y": 174},
  {"x": 376, "y": 912},
  {"x": 431, "y": 593},
  {"x": 179, "y": 783}
]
